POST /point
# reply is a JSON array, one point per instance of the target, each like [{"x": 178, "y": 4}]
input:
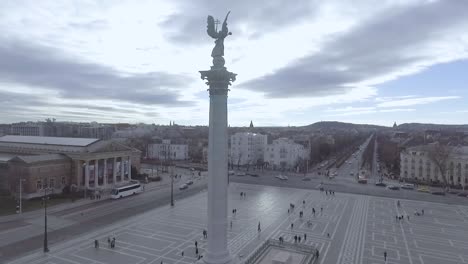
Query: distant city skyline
[{"x": 131, "y": 62}]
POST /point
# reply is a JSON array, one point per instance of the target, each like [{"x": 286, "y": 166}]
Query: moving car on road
[
  {"x": 438, "y": 193},
  {"x": 252, "y": 174},
  {"x": 381, "y": 184},
  {"x": 393, "y": 187},
  {"x": 423, "y": 189},
  {"x": 183, "y": 187},
  {"x": 407, "y": 186},
  {"x": 241, "y": 174},
  {"x": 189, "y": 182},
  {"x": 282, "y": 177},
  {"x": 306, "y": 179}
]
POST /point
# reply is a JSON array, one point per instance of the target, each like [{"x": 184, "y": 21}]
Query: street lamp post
[
  {"x": 172, "y": 188},
  {"x": 21, "y": 195},
  {"x": 45, "y": 198}
]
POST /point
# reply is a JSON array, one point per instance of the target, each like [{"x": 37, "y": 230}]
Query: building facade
[
  {"x": 56, "y": 162},
  {"x": 247, "y": 148},
  {"x": 285, "y": 153},
  {"x": 417, "y": 165},
  {"x": 168, "y": 151}
]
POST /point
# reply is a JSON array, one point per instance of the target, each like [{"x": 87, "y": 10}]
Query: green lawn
[{"x": 8, "y": 204}]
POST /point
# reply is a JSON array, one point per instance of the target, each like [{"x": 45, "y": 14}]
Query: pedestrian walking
[
  {"x": 385, "y": 255},
  {"x": 108, "y": 241},
  {"x": 422, "y": 211},
  {"x": 182, "y": 253},
  {"x": 292, "y": 225},
  {"x": 96, "y": 243},
  {"x": 407, "y": 216},
  {"x": 196, "y": 244},
  {"x": 231, "y": 225},
  {"x": 288, "y": 211},
  {"x": 321, "y": 210},
  {"x": 295, "y": 238},
  {"x": 313, "y": 211},
  {"x": 305, "y": 237},
  {"x": 317, "y": 253},
  {"x": 258, "y": 228},
  {"x": 299, "y": 238},
  {"x": 303, "y": 202},
  {"x": 328, "y": 235},
  {"x": 196, "y": 251}
]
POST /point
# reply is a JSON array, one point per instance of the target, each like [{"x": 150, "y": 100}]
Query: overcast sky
[{"x": 298, "y": 62}]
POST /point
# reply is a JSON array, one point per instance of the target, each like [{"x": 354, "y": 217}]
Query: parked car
[
  {"x": 381, "y": 184},
  {"x": 306, "y": 179},
  {"x": 454, "y": 192},
  {"x": 463, "y": 194},
  {"x": 438, "y": 193},
  {"x": 407, "y": 186},
  {"x": 253, "y": 174},
  {"x": 241, "y": 174},
  {"x": 231, "y": 172},
  {"x": 351, "y": 173},
  {"x": 189, "y": 182},
  {"x": 393, "y": 187},
  {"x": 183, "y": 187}
]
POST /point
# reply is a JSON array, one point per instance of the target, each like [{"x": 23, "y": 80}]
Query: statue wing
[
  {"x": 210, "y": 29},
  {"x": 225, "y": 30}
]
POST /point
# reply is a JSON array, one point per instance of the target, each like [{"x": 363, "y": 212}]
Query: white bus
[{"x": 126, "y": 190}]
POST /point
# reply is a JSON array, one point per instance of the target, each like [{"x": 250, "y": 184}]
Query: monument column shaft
[{"x": 217, "y": 251}]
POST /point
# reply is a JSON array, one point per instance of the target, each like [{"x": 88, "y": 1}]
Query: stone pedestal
[{"x": 218, "y": 80}]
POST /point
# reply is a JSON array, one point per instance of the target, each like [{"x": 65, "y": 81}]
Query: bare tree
[
  {"x": 239, "y": 159},
  {"x": 439, "y": 154}
]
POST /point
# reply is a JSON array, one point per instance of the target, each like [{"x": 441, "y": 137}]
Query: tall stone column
[{"x": 218, "y": 80}]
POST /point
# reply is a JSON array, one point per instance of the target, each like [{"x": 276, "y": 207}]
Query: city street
[
  {"x": 350, "y": 229},
  {"x": 19, "y": 234}
]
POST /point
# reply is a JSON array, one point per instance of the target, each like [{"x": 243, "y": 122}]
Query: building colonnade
[{"x": 105, "y": 173}]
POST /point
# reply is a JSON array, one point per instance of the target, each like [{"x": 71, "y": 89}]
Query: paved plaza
[{"x": 360, "y": 229}]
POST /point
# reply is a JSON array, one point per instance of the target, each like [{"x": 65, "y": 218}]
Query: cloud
[
  {"x": 392, "y": 43},
  {"x": 250, "y": 19},
  {"x": 416, "y": 101},
  {"x": 24, "y": 63}
]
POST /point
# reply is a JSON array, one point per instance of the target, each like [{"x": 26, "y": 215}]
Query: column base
[{"x": 226, "y": 258}]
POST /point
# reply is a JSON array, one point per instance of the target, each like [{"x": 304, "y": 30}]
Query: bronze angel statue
[{"x": 218, "y": 50}]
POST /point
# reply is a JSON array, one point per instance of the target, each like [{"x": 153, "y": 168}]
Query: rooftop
[{"x": 64, "y": 141}]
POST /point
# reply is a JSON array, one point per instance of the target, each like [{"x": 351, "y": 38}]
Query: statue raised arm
[{"x": 218, "y": 50}]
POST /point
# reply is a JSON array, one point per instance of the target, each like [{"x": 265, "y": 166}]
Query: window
[
  {"x": 63, "y": 181},
  {"x": 39, "y": 185},
  {"x": 52, "y": 183},
  {"x": 44, "y": 184}
]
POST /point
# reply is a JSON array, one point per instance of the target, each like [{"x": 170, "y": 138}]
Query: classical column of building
[
  {"x": 96, "y": 173},
  {"x": 114, "y": 171},
  {"x": 87, "y": 175},
  {"x": 122, "y": 173},
  {"x": 105, "y": 173},
  {"x": 129, "y": 168}
]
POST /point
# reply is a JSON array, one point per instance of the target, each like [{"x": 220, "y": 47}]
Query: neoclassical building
[
  {"x": 56, "y": 162},
  {"x": 416, "y": 164}
]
